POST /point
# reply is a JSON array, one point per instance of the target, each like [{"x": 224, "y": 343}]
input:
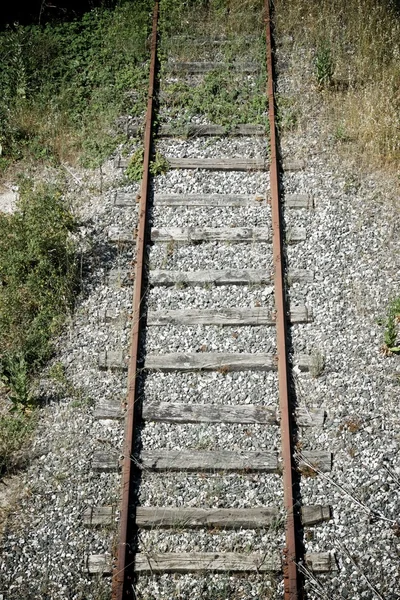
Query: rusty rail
[
  {"x": 291, "y": 580},
  {"x": 118, "y": 584}
]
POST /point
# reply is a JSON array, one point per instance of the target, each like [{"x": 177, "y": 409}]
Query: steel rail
[
  {"x": 291, "y": 577},
  {"x": 118, "y": 583}
]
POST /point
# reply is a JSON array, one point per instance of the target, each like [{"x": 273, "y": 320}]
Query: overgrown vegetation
[
  {"x": 223, "y": 96},
  {"x": 227, "y": 32},
  {"x": 38, "y": 280},
  {"x": 38, "y": 275},
  {"x": 354, "y": 47},
  {"x": 205, "y": 20},
  {"x": 62, "y": 85}
]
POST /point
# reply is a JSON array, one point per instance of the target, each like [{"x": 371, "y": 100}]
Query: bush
[{"x": 38, "y": 279}]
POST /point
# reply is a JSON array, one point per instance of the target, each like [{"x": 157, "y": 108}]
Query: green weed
[
  {"x": 286, "y": 113},
  {"x": 57, "y": 373},
  {"x": 391, "y": 332},
  {"x": 15, "y": 374},
  {"x": 324, "y": 65},
  {"x": 340, "y": 134},
  {"x": 159, "y": 165},
  {"x": 134, "y": 170}
]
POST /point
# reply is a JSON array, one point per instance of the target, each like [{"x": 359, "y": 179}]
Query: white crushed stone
[
  {"x": 214, "y": 388},
  {"x": 212, "y": 255},
  {"x": 182, "y": 216}
]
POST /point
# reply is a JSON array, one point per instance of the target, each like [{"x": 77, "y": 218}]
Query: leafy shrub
[{"x": 38, "y": 278}]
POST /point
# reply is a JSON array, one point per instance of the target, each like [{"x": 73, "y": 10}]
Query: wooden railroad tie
[
  {"x": 235, "y": 317},
  {"x": 213, "y": 562},
  {"x": 208, "y": 461},
  {"x": 174, "y": 412},
  {"x": 220, "y": 164},
  {"x": 294, "y": 201},
  {"x": 194, "y": 130},
  {"x": 223, "y": 362},
  {"x": 207, "y": 234},
  {"x": 153, "y": 517},
  {"x": 195, "y": 68},
  {"x": 224, "y": 316},
  {"x": 223, "y": 277},
  {"x": 161, "y": 277}
]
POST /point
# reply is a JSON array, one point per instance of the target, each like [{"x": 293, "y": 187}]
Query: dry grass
[
  {"x": 50, "y": 136},
  {"x": 362, "y": 38}
]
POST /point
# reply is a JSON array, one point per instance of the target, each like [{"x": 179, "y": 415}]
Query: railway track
[{"x": 211, "y": 474}]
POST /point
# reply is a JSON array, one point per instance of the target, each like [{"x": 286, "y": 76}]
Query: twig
[
  {"x": 72, "y": 175},
  {"x": 313, "y": 581},
  {"x": 391, "y": 473},
  {"x": 371, "y": 513},
  {"x": 371, "y": 587}
]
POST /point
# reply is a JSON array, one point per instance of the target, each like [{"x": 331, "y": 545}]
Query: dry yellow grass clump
[{"x": 355, "y": 47}]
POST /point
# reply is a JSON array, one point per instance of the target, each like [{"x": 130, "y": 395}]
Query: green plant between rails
[
  {"x": 217, "y": 31},
  {"x": 223, "y": 97},
  {"x": 38, "y": 275},
  {"x": 62, "y": 85}
]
